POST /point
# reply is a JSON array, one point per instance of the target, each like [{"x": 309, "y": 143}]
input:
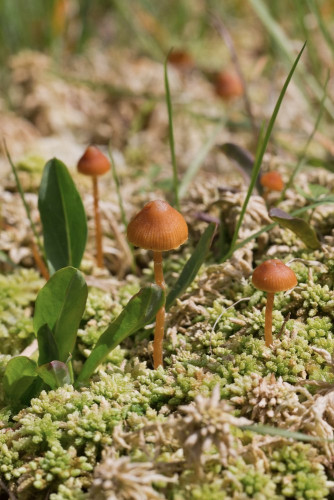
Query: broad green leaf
[
  {"x": 47, "y": 346},
  {"x": 139, "y": 311},
  {"x": 192, "y": 266},
  {"x": 20, "y": 381},
  {"x": 299, "y": 226},
  {"x": 60, "y": 305},
  {"x": 275, "y": 431},
  {"x": 63, "y": 217},
  {"x": 55, "y": 374}
]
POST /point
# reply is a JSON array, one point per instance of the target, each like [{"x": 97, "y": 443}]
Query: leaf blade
[
  {"x": 19, "y": 380},
  {"x": 55, "y": 374},
  {"x": 298, "y": 226},
  {"x": 63, "y": 217},
  {"x": 140, "y": 310},
  {"x": 192, "y": 266},
  {"x": 60, "y": 305}
]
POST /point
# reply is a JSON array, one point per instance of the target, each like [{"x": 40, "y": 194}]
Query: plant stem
[
  {"x": 98, "y": 232},
  {"x": 268, "y": 325},
  {"x": 39, "y": 261},
  {"x": 160, "y": 317}
]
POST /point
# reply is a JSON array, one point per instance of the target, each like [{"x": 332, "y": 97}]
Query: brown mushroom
[
  {"x": 228, "y": 85},
  {"x": 94, "y": 163},
  {"x": 158, "y": 227},
  {"x": 271, "y": 181},
  {"x": 272, "y": 276}
]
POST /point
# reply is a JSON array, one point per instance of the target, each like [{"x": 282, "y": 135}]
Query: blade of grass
[
  {"x": 284, "y": 433},
  {"x": 286, "y": 47},
  {"x": 261, "y": 148},
  {"x": 171, "y": 134},
  {"x": 301, "y": 160},
  {"x": 121, "y": 206},
  {"x": 26, "y": 206},
  {"x": 198, "y": 159},
  {"x": 322, "y": 26}
]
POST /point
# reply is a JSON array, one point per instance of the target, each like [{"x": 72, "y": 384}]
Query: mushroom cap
[
  {"x": 158, "y": 227},
  {"x": 274, "y": 276},
  {"x": 93, "y": 162},
  {"x": 228, "y": 85},
  {"x": 272, "y": 180}
]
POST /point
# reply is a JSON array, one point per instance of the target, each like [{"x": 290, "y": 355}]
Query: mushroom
[
  {"x": 228, "y": 85},
  {"x": 271, "y": 181},
  {"x": 158, "y": 227},
  {"x": 272, "y": 276},
  {"x": 94, "y": 163}
]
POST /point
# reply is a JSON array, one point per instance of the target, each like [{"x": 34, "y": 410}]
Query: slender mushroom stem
[
  {"x": 268, "y": 336},
  {"x": 160, "y": 317},
  {"x": 98, "y": 231}
]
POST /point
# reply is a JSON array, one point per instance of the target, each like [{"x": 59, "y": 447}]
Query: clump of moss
[{"x": 17, "y": 294}]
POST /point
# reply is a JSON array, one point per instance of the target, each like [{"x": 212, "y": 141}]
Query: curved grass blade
[
  {"x": 60, "y": 305},
  {"x": 261, "y": 148},
  {"x": 63, "y": 217},
  {"x": 299, "y": 226},
  {"x": 139, "y": 311},
  {"x": 275, "y": 431},
  {"x": 55, "y": 374},
  {"x": 171, "y": 135},
  {"x": 192, "y": 266}
]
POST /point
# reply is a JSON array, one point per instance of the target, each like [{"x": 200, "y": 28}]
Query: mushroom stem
[
  {"x": 98, "y": 232},
  {"x": 160, "y": 317},
  {"x": 268, "y": 336}
]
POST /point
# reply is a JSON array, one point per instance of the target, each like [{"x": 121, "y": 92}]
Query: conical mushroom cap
[
  {"x": 274, "y": 276},
  {"x": 93, "y": 162},
  {"x": 158, "y": 227},
  {"x": 272, "y": 180}
]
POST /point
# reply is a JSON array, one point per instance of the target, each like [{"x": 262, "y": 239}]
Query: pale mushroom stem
[
  {"x": 160, "y": 317},
  {"x": 98, "y": 232},
  {"x": 268, "y": 325}
]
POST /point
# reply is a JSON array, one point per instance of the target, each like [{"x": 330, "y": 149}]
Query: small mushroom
[
  {"x": 228, "y": 85},
  {"x": 271, "y": 181},
  {"x": 94, "y": 163},
  {"x": 158, "y": 227},
  {"x": 272, "y": 276}
]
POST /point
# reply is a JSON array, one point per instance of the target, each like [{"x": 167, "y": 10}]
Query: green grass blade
[
  {"x": 261, "y": 148},
  {"x": 301, "y": 160},
  {"x": 286, "y": 47},
  {"x": 284, "y": 433},
  {"x": 117, "y": 185},
  {"x": 198, "y": 160},
  {"x": 192, "y": 266},
  {"x": 26, "y": 206},
  {"x": 171, "y": 136}
]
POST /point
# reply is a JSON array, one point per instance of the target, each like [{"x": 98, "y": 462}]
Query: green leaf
[
  {"x": 47, "y": 346},
  {"x": 139, "y": 311},
  {"x": 55, "y": 374},
  {"x": 63, "y": 217},
  {"x": 275, "y": 431},
  {"x": 60, "y": 305},
  {"x": 299, "y": 226},
  {"x": 20, "y": 381},
  {"x": 192, "y": 266}
]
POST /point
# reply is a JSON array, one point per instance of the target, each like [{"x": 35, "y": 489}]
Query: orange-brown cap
[
  {"x": 228, "y": 85},
  {"x": 181, "y": 59},
  {"x": 158, "y": 227},
  {"x": 93, "y": 162},
  {"x": 272, "y": 180},
  {"x": 274, "y": 276}
]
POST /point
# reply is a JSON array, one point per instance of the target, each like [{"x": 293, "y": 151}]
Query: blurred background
[{"x": 75, "y": 72}]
